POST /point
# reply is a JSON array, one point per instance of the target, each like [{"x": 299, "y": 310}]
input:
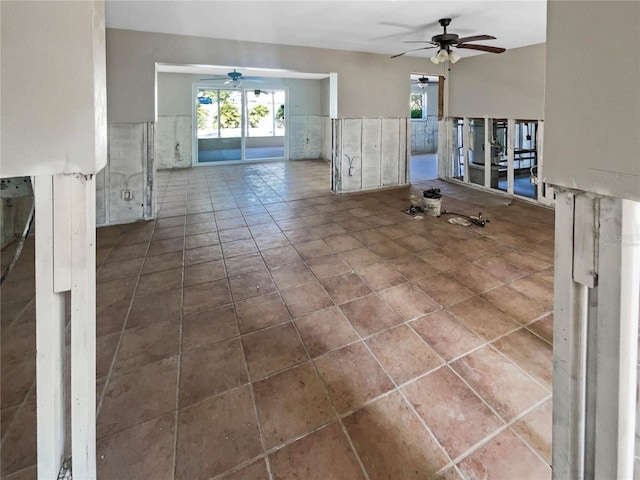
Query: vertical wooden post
[
  {"x": 465, "y": 149},
  {"x": 569, "y": 350},
  {"x": 511, "y": 137},
  {"x": 617, "y": 327},
  {"x": 50, "y": 317},
  {"x": 597, "y": 280},
  {"x": 487, "y": 153},
  {"x": 83, "y": 327}
]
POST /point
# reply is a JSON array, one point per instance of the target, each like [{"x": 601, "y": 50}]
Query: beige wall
[
  {"x": 368, "y": 84},
  {"x": 508, "y": 85},
  {"x": 53, "y": 110},
  {"x": 592, "y": 108}
]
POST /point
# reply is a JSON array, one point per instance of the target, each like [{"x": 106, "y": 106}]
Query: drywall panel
[
  {"x": 592, "y": 105},
  {"x": 351, "y": 154},
  {"x": 101, "y": 197},
  {"x": 315, "y": 131},
  {"x": 391, "y": 135},
  {"x": 126, "y": 171},
  {"x": 508, "y": 85},
  {"x": 173, "y": 142},
  {"x": 53, "y": 88},
  {"x": 132, "y": 55},
  {"x": 327, "y": 143},
  {"x": 297, "y": 131},
  {"x": 371, "y": 131}
]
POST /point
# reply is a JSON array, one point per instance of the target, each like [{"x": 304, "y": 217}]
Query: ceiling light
[
  {"x": 442, "y": 56},
  {"x": 454, "y": 57},
  {"x": 435, "y": 60}
]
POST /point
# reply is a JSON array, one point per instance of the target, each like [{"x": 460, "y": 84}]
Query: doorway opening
[
  {"x": 424, "y": 108},
  {"x": 238, "y": 124}
]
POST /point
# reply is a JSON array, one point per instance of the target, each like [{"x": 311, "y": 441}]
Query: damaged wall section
[
  {"x": 124, "y": 188},
  {"x": 370, "y": 153}
]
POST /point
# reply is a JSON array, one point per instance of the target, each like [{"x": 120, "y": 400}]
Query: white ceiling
[{"x": 367, "y": 26}]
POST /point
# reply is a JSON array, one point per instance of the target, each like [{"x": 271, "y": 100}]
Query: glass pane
[
  {"x": 476, "y": 151},
  {"x": 265, "y": 124},
  {"x": 498, "y": 138},
  {"x": 525, "y": 159},
  {"x": 417, "y": 107},
  {"x": 457, "y": 155},
  {"x": 219, "y": 125}
]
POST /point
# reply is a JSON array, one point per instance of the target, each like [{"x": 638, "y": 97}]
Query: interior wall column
[{"x": 597, "y": 285}]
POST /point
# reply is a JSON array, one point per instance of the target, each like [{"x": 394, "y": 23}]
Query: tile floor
[{"x": 264, "y": 328}]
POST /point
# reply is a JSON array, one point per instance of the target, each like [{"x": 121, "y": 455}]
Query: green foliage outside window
[
  {"x": 416, "y": 106},
  {"x": 257, "y": 113}
]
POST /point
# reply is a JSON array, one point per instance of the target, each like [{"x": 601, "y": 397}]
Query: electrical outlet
[
  {"x": 127, "y": 195},
  {"x": 352, "y": 171}
]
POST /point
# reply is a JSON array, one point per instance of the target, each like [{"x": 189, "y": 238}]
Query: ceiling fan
[
  {"x": 422, "y": 81},
  {"x": 445, "y": 41},
  {"x": 234, "y": 78}
]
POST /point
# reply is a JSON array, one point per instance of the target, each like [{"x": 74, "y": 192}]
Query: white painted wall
[
  {"x": 131, "y": 58},
  {"x": 507, "y": 85},
  {"x": 592, "y": 105},
  {"x": 53, "y": 95}
]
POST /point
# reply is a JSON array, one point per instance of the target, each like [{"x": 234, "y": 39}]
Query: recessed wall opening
[
  {"x": 239, "y": 124},
  {"x": 424, "y": 105}
]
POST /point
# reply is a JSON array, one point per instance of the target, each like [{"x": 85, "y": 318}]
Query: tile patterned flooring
[{"x": 264, "y": 328}]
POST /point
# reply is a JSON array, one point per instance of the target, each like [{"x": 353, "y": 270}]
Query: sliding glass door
[{"x": 233, "y": 125}]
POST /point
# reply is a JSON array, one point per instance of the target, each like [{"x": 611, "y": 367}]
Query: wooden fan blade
[
  {"x": 409, "y": 51},
  {"x": 418, "y": 41},
  {"x": 475, "y": 38},
  {"x": 482, "y": 48}
]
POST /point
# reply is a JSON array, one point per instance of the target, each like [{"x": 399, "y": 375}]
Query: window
[{"x": 418, "y": 105}]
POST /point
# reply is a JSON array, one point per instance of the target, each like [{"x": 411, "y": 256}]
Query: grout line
[{"x": 179, "y": 366}]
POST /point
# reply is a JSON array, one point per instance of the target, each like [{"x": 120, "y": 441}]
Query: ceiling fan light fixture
[
  {"x": 434, "y": 59},
  {"x": 454, "y": 57},
  {"x": 442, "y": 56}
]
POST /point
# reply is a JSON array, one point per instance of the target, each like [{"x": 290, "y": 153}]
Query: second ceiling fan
[{"x": 445, "y": 41}]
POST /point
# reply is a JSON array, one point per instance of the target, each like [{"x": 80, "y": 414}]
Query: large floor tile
[
  {"x": 535, "y": 429},
  {"x": 403, "y": 354},
  {"x": 370, "y": 314},
  {"x": 352, "y": 376},
  {"x": 274, "y": 349},
  {"x": 325, "y": 330},
  {"x": 145, "y": 450},
  {"x": 291, "y": 403},
  {"x": 216, "y": 435},
  {"x": 138, "y": 396},
  {"x": 206, "y": 296},
  {"x": 345, "y": 287},
  {"x": 211, "y": 370},
  {"x": 306, "y": 299},
  {"x": 506, "y": 388},
  {"x": 446, "y": 335},
  {"x": 483, "y": 318},
  {"x": 409, "y": 301},
  {"x": 529, "y": 352},
  {"x": 506, "y": 456},
  {"x": 392, "y": 442},
  {"x": 260, "y": 312},
  {"x": 454, "y": 413},
  {"x": 325, "y": 454},
  {"x": 209, "y": 327}
]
